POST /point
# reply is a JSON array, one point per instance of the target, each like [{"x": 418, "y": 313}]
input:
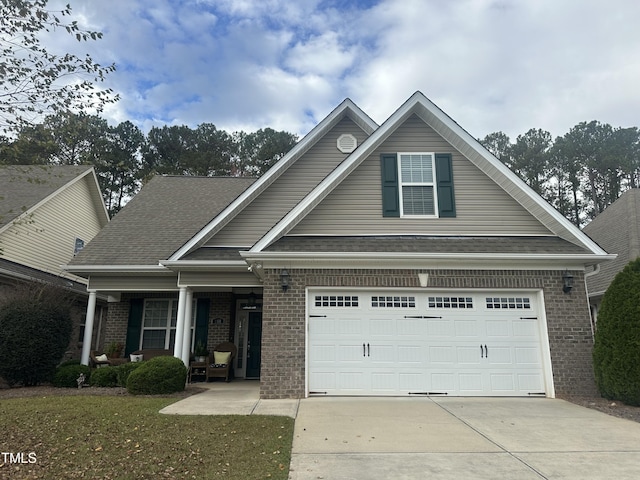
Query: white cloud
[{"x": 492, "y": 65}]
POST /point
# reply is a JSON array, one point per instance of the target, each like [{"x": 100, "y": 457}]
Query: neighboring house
[
  {"x": 617, "y": 230},
  {"x": 47, "y": 214},
  {"x": 401, "y": 259}
]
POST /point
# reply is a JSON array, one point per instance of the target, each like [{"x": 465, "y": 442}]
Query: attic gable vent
[{"x": 347, "y": 143}]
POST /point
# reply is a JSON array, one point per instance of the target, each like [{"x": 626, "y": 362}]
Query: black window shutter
[
  {"x": 134, "y": 327},
  {"x": 444, "y": 177},
  {"x": 202, "y": 320},
  {"x": 390, "y": 191}
]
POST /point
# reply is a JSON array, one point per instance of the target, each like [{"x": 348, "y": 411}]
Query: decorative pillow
[
  {"x": 102, "y": 358},
  {"x": 221, "y": 358},
  {"x": 136, "y": 358}
]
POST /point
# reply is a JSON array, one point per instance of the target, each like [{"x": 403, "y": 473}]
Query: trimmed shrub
[
  {"x": 104, "y": 377},
  {"x": 66, "y": 376},
  {"x": 124, "y": 371},
  {"x": 73, "y": 361},
  {"x": 35, "y": 329},
  {"x": 616, "y": 353},
  {"x": 160, "y": 375}
]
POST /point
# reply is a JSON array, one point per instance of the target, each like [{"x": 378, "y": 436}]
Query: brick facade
[{"x": 283, "y": 334}]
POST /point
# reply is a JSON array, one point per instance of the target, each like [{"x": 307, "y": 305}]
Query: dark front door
[{"x": 254, "y": 342}]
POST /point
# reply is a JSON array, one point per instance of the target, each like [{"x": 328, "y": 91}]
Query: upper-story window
[{"x": 416, "y": 184}]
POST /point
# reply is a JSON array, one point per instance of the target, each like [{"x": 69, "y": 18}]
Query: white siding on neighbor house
[
  {"x": 270, "y": 206},
  {"x": 45, "y": 239},
  {"x": 355, "y": 206}
]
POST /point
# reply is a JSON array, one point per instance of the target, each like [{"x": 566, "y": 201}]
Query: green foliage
[
  {"x": 34, "y": 81},
  {"x": 124, "y": 371},
  {"x": 66, "y": 376},
  {"x": 74, "y": 361},
  {"x": 159, "y": 375},
  {"x": 104, "y": 377},
  {"x": 616, "y": 354},
  {"x": 35, "y": 330}
]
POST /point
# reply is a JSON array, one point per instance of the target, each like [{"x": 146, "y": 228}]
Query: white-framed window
[
  {"x": 159, "y": 323},
  {"x": 418, "y": 196}
]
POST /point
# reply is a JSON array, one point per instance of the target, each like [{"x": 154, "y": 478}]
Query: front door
[{"x": 254, "y": 342}]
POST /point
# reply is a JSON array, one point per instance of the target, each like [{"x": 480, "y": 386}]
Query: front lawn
[{"x": 126, "y": 438}]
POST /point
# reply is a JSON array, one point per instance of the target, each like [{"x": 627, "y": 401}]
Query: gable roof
[
  {"x": 617, "y": 230},
  {"x": 164, "y": 215},
  {"x": 446, "y": 127},
  {"x": 346, "y": 109},
  {"x": 23, "y": 188}
]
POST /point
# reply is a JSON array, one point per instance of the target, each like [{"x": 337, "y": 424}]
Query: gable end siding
[
  {"x": 481, "y": 206},
  {"x": 272, "y": 204}
]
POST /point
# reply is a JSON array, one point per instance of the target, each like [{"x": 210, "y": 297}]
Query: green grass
[{"x": 126, "y": 438}]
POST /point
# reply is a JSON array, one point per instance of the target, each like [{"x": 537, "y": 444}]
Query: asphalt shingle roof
[
  {"x": 23, "y": 186},
  {"x": 166, "y": 213},
  {"x": 616, "y": 230},
  {"x": 426, "y": 244}
]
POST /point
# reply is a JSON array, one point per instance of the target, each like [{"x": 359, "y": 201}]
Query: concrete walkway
[
  {"x": 460, "y": 438},
  {"x": 240, "y": 397}
]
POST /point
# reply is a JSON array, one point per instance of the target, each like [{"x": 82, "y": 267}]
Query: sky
[{"x": 491, "y": 65}]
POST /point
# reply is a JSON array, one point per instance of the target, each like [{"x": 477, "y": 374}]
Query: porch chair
[
  {"x": 220, "y": 363},
  {"x": 96, "y": 360}
]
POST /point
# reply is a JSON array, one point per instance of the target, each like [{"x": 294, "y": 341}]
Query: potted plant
[
  {"x": 200, "y": 352},
  {"x": 114, "y": 350}
]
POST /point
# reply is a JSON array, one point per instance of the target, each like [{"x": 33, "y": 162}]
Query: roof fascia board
[
  {"x": 73, "y": 181},
  {"x": 205, "y": 265},
  {"x": 346, "y": 108},
  {"x": 423, "y": 260},
  {"x": 444, "y": 125}
]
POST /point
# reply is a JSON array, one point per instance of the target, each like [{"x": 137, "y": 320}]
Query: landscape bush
[
  {"x": 160, "y": 375},
  {"x": 616, "y": 353},
  {"x": 66, "y": 376},
  {"x": 35, "y": 330},
  {"x": 104, "y": 377},
  {"x": 124, "y": 371}
]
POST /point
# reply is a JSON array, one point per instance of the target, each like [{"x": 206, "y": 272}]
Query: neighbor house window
[
  {"x": 159, "y": 324},
  {"x": 417, "y": 192}
]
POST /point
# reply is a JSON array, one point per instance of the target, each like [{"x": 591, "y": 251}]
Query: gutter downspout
[{"x": 593, "y": 316}]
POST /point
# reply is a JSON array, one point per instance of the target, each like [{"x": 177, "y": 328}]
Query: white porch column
[
  {"x": 182, "y": 300},
  {"x": 88, "y": 328},
  {"x": 186, "y": 341}
]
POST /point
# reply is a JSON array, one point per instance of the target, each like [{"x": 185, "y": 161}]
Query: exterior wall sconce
[
  {"x": 567, "y": 282},
  {"x": 284, "y": 280},
  {"x": 251, "y": 300}
]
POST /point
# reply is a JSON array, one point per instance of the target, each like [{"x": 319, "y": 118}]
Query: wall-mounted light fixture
[
  {"x": 284, "y": 280},
  {"x": 567, "y": 282},
  {"x": 251, "y": 300}
]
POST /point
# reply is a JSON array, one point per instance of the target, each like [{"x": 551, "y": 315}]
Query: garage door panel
[{"x": 417, "y": 342}]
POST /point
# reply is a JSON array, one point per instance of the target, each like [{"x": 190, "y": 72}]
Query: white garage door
[{"x": 417, "y": 343}]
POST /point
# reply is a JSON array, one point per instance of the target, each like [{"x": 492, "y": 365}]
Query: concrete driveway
[{"x": 460, "y": 438}]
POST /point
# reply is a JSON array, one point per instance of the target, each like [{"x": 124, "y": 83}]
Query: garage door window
[
  {"x": 393, "y": 302},
  {"x": 450, "y": 302},
  {"x": 336, "y": 301},
  {"x": 508, "y": 303}
]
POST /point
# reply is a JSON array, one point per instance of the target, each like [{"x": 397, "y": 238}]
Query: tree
[
  {"x": 499, "y": 145},
  {"x": 616, "y": 353},
  {"x": 35, "y": 81},
  {"x": 118, "y": 167},
  {"x": 258, "y": 151},
  {"x": 530, "y": 158}
]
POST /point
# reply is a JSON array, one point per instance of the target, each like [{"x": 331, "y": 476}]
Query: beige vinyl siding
[
  {"x": 45, "y": 238},
  {"x": 126, "y": 283},
  {"x": 355, "y": 206},
  {"x": 299, "y": 179}
]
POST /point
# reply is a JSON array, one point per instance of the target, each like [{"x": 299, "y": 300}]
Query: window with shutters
[
  {"x": 417, "y": 190},
  {"x": 159, "y": 324}
]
